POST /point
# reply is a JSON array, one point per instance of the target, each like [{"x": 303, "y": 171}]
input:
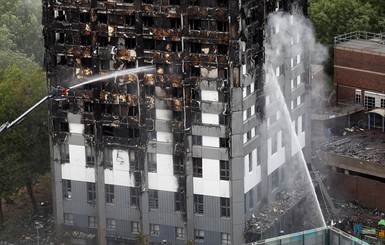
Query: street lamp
[{"x": 37, "y": 227}]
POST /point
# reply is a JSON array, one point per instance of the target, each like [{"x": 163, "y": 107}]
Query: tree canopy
[
  {"x": 21, "y": 29},
  {"x": 24, "y": 150},
  {"x": 335, "y": 17}
]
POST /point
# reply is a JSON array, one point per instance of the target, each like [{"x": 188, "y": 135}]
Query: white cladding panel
[
  {"x": 210, "y": 169},
  {"x": 77, "y": 155},
  {"x": 217, "y": 188},
  {"x": 78, "y": 173},
  {"x": 209, "y": 95},
  {"x": 164, "y": 136},
  {"x": 164, "y": 179},
  {"x": 210, "y": 141},
  {"x": 120, "y": 160},
  {"x": 76, "y": 128},
  {"x": 163, "y": 114},
  {"x": 210, "y": 118}
]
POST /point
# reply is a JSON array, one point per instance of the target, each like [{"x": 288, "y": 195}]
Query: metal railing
[{"x": 363, "y": 35}]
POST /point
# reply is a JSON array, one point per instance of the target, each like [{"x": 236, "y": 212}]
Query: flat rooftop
[{"x": 361, "y": 41}]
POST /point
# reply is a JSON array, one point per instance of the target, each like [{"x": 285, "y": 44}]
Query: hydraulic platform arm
[{"x": 8, "y": 125}]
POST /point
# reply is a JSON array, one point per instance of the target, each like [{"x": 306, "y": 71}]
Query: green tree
[
  {"x": 331, "y": 18},
  {"x": 21, "y": 20},
  {"x": 24, "y": 150},
  {"x": 335, "y": 17}
]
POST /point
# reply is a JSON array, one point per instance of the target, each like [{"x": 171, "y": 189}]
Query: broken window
[
  {"x": 223, "y": 142},
  {"x": 222, "y": 26},
  {"x": 107, "y": 157},
  {"x": 67, "y": 190},
  {"x": 194, "y": 2},
  {"x": 102, "y": 18},
  {"x": 151, "y": 162},
  {"x": 106, "y": 109},
  {"x": 197, "y": 139},
  {"x": 222, "y": 3},
  {"x": 84, "y": 17},
  {"x": 91, "y": 192},
  {"x": 130, "y": 43},
  {"x": 60, "y": 37},
  {"x": 60, "y": 15},
  {"x": 224, "y": 170},
  {"x": 103, "y": 41},
  {"x": 134, "y": 196},
  {"x": 134, "y": 163},
  {"x": 64, "y": 127},
  {"x": 86, "y": 62},
  {"x": 198, "y": 204},
  {"x": 225, "y": 207},
  {"x": 116, "y": 19},
  {"x": 222, "y": 49},
  {"x": 148, "y": 44},
  {"x": 153, "y": 199},
  {"x": 90, "y": 159},
  {"x": 179, "y": 201},
  {"x": 110, "y": 194},
  {"x": 175, "y": 23},
  {"x": 195, "y": 71},
  {"x": 176, "y": 47},
  {"x": 130, "y": 20},
  {"x": 64, "y": 153},
  {"x": 88, "y": 106},
  {"x": 174, "y": 2},
  {"x": 177, "y": 92},
  {"x": 149, "y": 90},
  {"x": 148, "y": 21},
  {"x": 195, "y": 48},
  {"x": 194, "y": 24},
  {"x": 89, "y": 129},
  {"x": 178, "y": 165},
  {"x": 133, "y": 110},
  {"x": 197, "y": 167}
]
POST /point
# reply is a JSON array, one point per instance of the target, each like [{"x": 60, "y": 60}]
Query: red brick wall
[
  {"x": 359, "y": 60},
  {"x": 358, "y": 79},
  {"x": 369, "y": 193}
]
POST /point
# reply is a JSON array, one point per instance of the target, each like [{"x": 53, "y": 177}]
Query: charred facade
[{"x": 158, "y": 155}]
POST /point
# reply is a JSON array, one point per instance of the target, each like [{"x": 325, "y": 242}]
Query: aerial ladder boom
[{"x": 8, "y": 125}]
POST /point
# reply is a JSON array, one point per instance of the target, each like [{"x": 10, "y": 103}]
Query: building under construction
[{"x": 174, "y": 154}]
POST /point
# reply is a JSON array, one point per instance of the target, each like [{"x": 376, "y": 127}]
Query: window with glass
[
  {"x": 67, "y": 190},
  {"x": 225, "y": 207},
  {"x": 224, "y": 170},
  {"x": 91, "y": 192},
  {"x": 197, "y": 167},
  {"x": 198, "y": 204},
  {"x": 110, "y": 194},
  {"x": 153, "y": 199}
]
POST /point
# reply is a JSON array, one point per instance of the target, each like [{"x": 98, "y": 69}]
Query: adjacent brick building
[{"x": 359, "y": 69}]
